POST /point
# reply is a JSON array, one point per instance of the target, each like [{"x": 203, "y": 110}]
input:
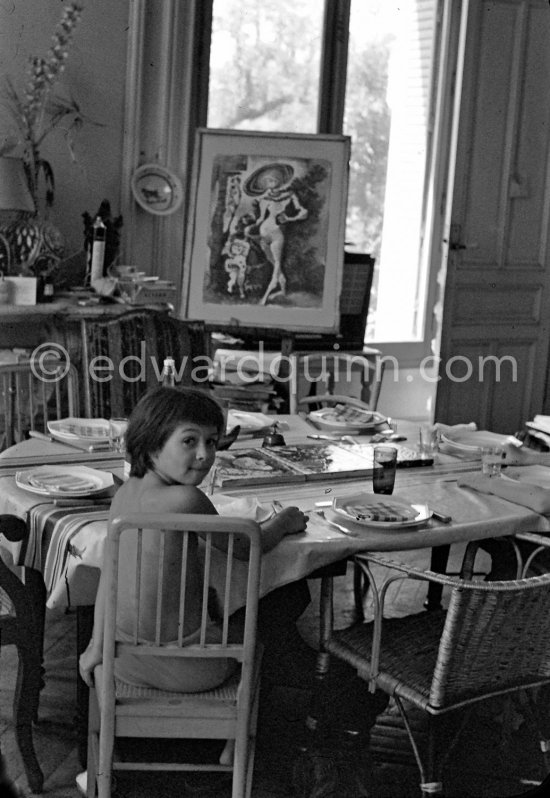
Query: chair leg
[
  {"x": 24, "y": 710},
  {"x": 438, "y": 563},
  {"x": 36, "y": 591},
  {"x": 360, "y": 588}
]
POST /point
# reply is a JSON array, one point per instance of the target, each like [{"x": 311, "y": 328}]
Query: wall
[{"x": 95, "y": 76}]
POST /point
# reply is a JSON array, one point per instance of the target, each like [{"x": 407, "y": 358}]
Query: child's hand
[
  {"x": 86, "y": 664},
  {"x": 294, "y": 520}
]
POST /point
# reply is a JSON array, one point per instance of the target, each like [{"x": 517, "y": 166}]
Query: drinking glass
[
  {"x": 383, "y": 475},
  {"x": 491, "y": 460},
  {"x": 428, "y": 440},
  {"x": 117, "y": 431}
]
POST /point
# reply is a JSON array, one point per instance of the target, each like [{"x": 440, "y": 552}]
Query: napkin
[
  {"x": 241, "y": 507},
  {"x": 471, "y": 425},
  {"x": 523, "y": 493}
]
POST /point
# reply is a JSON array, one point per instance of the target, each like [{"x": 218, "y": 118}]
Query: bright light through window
[
  {"x": 264, "y": 65},
  {"x": 387, "y": 107}
]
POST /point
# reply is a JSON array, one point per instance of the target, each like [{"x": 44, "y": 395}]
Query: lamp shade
[{"x": 14, "y": 191}]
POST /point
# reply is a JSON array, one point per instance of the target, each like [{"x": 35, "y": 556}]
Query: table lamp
[{"x": 15, "y": 199}]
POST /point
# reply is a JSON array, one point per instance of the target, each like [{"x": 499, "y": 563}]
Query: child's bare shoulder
[{"x": 177, "y": 499}]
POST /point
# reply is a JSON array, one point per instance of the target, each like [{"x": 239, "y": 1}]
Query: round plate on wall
[{"x": 157, "y": 189}]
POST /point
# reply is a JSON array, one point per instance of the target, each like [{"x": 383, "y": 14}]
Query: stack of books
[{"x": 245, "y": 380}]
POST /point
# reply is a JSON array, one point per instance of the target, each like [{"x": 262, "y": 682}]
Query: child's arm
[{"x": 287, "y": 522}]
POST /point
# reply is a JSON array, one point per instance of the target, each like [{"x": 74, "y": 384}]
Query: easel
[{"x": 354, "y": 304}]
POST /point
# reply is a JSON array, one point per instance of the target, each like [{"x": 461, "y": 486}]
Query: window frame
[{"x": 177, "y": 36}]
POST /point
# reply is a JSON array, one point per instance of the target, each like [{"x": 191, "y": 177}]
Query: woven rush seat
[
  {"x": 133, "y": 694},
  {"x": 410, "y": 644}
]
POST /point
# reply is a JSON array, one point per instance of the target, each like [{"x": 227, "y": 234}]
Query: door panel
[{"x": 498, "y": 273}]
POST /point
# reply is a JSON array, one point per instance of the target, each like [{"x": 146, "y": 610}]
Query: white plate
[
  {"x": 472, "y": 441},
  {"x": 248, "y": 422},
  {"x": 157, "y": 189},
  {"x": 327, "y": 418},
  {"x": 360, "y": 506},
  {"x": 87, "y": 430},
  {"x": 64, "y": 481}
]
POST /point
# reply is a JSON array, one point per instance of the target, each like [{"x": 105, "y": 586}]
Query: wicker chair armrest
[
  {"x": 410, "y": 570},
  {"x": 523, "y": 583}
]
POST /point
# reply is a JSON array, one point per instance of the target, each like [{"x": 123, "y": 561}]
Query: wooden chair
[
  {"x": 226, "y": 712},
  {"x": 20, "y": 627},
  {"x": 332, "y": 376},
  {"x": 494, "y": 639},
  {"x": 122, "y": 357},
  {"x": 32, "y": 392}
]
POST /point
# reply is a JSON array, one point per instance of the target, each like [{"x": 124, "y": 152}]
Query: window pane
[
  {"x": 387, "y": 115},
  {"x": 264, "y": 65}
]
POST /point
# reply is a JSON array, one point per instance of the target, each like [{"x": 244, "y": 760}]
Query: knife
[{"x": 444, "y": 519}]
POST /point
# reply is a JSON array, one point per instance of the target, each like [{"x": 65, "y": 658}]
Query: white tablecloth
[{"x": 74, "y": 549}]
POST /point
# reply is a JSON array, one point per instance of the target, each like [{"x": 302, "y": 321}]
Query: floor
[{"x": 496, "y": 751}]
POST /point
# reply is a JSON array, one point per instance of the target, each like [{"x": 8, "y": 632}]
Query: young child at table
[{"x": 171, "y": 442}]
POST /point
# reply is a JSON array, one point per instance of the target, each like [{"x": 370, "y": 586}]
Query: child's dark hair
[{"x": 156, "y": 416}]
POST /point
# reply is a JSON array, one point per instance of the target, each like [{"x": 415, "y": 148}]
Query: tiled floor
[{"x": 496, "y": 750}]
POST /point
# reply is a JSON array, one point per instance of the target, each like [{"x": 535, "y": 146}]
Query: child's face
[{"x": 187, "y": 455}]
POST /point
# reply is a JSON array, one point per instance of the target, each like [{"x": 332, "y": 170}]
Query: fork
[{"x": 343, "y": 529}]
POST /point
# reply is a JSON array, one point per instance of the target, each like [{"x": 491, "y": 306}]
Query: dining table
[{"x": 65, "y": 539}]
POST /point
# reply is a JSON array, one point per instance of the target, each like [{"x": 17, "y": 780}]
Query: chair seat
[
  {"x": 409, "y": 650},
  {"x": 132, "y": 694}
]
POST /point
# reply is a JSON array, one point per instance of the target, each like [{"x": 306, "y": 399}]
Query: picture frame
[{"x": 265, "y": 243}]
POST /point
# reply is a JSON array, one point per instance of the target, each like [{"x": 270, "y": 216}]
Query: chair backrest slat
[
  {"x": 205, "y": 584},
  {"x": 137, "y": 577},
  {"x": 160, "y": 585},
  {"x": 183, "y": 583},
  {"x": 172, "y": 616}
]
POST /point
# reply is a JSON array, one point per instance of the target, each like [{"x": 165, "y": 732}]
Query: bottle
[
  {"x": 4, "y": 290},
  {"x": 97, "y": 255},
  {"x": 168, "y": 376}
]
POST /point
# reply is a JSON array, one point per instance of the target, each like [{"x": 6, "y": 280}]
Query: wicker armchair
[{"x": 493, "y": 639}]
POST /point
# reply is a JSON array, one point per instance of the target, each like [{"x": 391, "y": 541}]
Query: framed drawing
[{"x": 265, "y": 243}]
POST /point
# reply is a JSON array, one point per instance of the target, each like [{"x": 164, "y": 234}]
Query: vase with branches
[{"x": 36, "y": 112}]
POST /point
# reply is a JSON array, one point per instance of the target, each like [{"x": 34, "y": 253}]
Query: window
[{"x": 265, "y": 74}]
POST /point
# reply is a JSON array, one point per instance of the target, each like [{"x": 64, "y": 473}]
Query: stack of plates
[
  {"x": 64, "y": 482},
  {"x": 346, "y": 419},
  {"x": 80, "y": 430},
  {"x": 470, "y": 442}
]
